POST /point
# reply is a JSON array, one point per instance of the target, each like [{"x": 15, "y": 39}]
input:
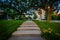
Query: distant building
[
  {"x": 43, "y": 13},
  {"x": 42, "y": 16},
  {"x": 31, "y": 14}
]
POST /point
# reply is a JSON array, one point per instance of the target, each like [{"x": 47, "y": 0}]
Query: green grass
[
  {"x": 53, "y": 25},
  {"x": 7, "y": 27}
]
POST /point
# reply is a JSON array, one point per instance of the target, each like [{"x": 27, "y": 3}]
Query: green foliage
[
  {"x": 35, "y": 16},
  {"x": 50, "y": 31},
  {"x": 7, "y": 27},
  {"x": 23, "y": 18},
  {"x": 59, "y": 17},
  {"x": 50, "y": 36},
  {"x": 11, "y": 13},
  {"x": 54, "y": 17}
]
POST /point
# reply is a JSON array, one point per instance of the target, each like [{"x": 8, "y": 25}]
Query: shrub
[
  {"x": 54, "y": 17},
  {"x": 49, "y": 34},
  {"x": 59, "y": 17}
]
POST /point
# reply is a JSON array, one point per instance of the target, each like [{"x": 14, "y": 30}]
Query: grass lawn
[
  {"x": 53, "y": 26},
  {"x": 7, "y": 27}
]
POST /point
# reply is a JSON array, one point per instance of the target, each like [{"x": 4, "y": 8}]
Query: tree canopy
[{"x": 24, "y": 5}]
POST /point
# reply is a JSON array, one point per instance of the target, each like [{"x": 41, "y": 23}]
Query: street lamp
[{"x": 48, "y": 8}]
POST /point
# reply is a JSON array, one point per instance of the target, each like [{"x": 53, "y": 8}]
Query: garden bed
[{"x": 50, "y": 31}]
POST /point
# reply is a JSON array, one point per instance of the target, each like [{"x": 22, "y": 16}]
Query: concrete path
[{"x": 27, "y": 31}]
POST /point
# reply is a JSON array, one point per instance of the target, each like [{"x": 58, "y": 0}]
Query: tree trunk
[{"x": 49, "y": 15}]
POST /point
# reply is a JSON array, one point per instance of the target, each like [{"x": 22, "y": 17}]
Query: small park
[{"x": 29, "y": 19}]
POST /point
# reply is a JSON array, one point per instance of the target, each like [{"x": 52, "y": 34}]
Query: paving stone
[
  {"x": 27, "y": 33},
  {"x": 25, "y": 38},
  {"x": 28, "y": 28}
]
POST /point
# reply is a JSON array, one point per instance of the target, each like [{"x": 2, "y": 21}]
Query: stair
[{"x": 27, "y": 31}]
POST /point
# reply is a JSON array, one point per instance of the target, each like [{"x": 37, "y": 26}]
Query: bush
[
  {"x": 59, "y": 17},
  {"x": 50, "y": 35},
  {"x": 35, "y": 16},
  {"x": 54, "y": 17}
]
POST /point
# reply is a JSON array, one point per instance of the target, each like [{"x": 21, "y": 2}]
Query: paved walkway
[{"x": 27, "y": 31}]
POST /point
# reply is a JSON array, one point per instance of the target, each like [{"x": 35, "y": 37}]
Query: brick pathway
[{"x": 27, "y": 31}]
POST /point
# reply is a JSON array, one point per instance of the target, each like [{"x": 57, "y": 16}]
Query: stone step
[
  {"x": 28, "y": 28},
  {"x": 25, "y": 38},
  {"x": 27, "y": 33},
  {"x": 28, "y": 25}
]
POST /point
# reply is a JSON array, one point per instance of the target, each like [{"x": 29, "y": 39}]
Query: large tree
[{"x": 47, "y": 5}]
